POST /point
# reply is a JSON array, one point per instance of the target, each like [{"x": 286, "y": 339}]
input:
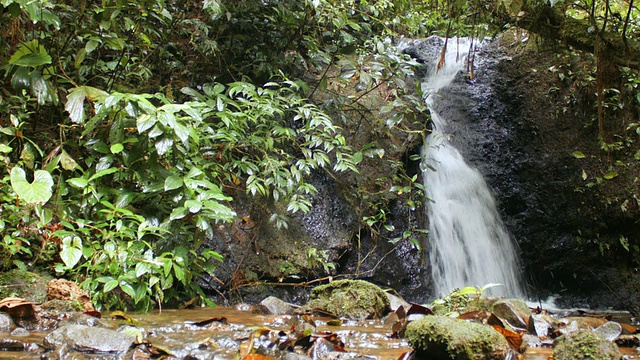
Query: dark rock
[
  {"x": 89, "y": 339},
  {"x": 585, "y": 345},
  {"x": 444, "y": 338},
  {"x": 353, "y": 299}
]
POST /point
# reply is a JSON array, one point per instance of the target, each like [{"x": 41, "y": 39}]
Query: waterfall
[{"x": 468, "y": 242}]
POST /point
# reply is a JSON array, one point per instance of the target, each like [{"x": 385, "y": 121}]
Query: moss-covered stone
[
  {"x": 584, "y": 345},
  {"x": 23, "y": 284},
  {"x": 353, "y": 299},
  {"x": 444, "y": 338},
  {"x": 514, "y": 311}
]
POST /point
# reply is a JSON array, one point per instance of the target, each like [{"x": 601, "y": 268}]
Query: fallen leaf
[
  {"x": 17, "y": 307},
  {"x": 514, "y": 339},
  {"x": 222, "y": 320}
]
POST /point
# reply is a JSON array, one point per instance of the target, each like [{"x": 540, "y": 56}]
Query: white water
[{"x": 468, "y": 243}]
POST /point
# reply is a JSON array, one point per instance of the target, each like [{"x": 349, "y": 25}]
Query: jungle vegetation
[{"x": 126, "y": 127}]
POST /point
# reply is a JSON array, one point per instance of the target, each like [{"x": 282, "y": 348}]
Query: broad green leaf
[
  {"x": 578, "y": 154},
  {"x": 193, "y": 205},
  {"x": 128, "y": 289},
  {"x": 179, "y": 271},
  {"x": 34, "y": 60},
  {"x": 71, "y": 251},
  {"x": 110, "y": 285},
  {"x": 102, "y": 173},
  {"x": 75, "y": 104},
  {"x": 38, "y": 191},
  {"x": 145, "y": 122},
  {"x": 172, "y": 182},
  {"x": 470, "y": 290},
  {"x": 178, "y": 213},
  {"x": 5, "y": 149},
  {"x": 78, "y": 183}
]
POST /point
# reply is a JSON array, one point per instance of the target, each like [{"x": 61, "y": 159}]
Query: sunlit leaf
[
  {"x": 38, "y": 191},
  {"x": 71, "y": 251},
  {"x": 68, "y": 163},
  {"x": 610, "y": 175},
  {"x": 172, "y": 182},
  {"x": 578, "y": 154}
]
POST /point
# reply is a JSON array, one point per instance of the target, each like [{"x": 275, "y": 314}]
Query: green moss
[
  {"x": 23, "y": 284},
  {"x": 585, "y": 345},
  {"x": 354, "y": 299},
  {"x": 438, "y": 337}
]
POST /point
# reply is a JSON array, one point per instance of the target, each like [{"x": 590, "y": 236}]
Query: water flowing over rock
[{"x": 469, "y": 244}]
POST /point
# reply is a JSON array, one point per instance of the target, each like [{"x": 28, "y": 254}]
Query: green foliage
[
  {"x": 128, "y": 127},
  {"x": 460, "y": 300}
]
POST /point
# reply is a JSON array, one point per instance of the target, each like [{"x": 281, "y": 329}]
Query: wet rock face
[
  {"x": 521, "y": 137},
  {"x": 89, "y": 339}
]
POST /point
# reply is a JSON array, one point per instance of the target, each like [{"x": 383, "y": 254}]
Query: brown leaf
[
  {"x": 474, "y": 315},
  {"x": 222, "y": 320},
  {"x": 419, "y": 309},
  {"x": 514, "y": 339},
  {"x": 17, "y": 307}
]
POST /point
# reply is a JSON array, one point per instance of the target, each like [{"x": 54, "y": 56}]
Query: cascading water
[{"x": 468, "y": 243}]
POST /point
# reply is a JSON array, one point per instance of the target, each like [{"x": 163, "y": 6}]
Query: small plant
[{"x": 459, "y": 301}]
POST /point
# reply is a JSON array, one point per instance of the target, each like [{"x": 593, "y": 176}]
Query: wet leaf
[
  {"x": 17, "y": 307},
  {"x": 419, "y": 309},
  {"x": 221, "y": 320},
  {"x": 119, "y": 315},
  {"x": 514, "y": 339},
  {"x": 610, "y": 175},
  {"x": 256, "y": 357}
]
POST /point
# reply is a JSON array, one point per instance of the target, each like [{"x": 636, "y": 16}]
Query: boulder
[
  {"x": 89, "y": 339},
  {"x": 444, "y": 338},
  {"x": 514, "y": 311},
  {"x": 23, "y": 284},
  {"x": 585, "y": 345},
  {"x": 276, "y": 306},
  {"x": 353, "y": 299}
]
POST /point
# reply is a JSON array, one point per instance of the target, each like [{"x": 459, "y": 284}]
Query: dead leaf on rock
[
  {"x": 513, "y": 338},
  {"x": 221, "y": 320},
  {"x": 17, "y": 307}
]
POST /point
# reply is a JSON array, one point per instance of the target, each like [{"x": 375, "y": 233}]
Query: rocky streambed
[{"x": 345, "y": 319}]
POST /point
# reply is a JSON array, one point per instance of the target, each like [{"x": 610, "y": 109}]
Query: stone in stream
[
  {"x": 445, "y": 338},
  {"x": 5, "y": 322},
  {"x": 353, "y": 299},
  {"x": 89, "y": 339},
  {"x": 609, "y": 330},
  {"x": 584, "y": 345},
  {"x": 513, "y": 311},
  {"x": 276, "y": 306}
]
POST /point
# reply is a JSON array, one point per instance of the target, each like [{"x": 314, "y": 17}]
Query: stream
[{"x": 182, "y": 335}]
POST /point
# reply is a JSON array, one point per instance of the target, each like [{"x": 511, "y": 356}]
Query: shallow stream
[{"x": 182, "y": 335}]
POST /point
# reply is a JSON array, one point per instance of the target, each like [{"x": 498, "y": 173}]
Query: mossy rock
[
  {"x": 514, "y": 311},
  {"x": 584, "y": 345},
  {"x": 353, "y": 299},
  {"x": 23, "y": 284},
  {"x": 445, "y": 338}
]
